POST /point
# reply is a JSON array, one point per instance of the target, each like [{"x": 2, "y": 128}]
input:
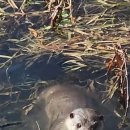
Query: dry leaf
[{"x": 33, "y": 32}]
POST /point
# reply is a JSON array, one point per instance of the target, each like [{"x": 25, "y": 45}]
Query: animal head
[{"x": 84, "y": 119}]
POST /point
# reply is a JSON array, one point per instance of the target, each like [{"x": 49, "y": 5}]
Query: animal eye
[
  {"x": 78, "y": 125},
  {"x": 71, "y": 115}
]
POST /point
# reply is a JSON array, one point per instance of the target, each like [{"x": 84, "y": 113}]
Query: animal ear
[
  {"x": 101, "y": 117},
  {"x": 71, "y": 115}
]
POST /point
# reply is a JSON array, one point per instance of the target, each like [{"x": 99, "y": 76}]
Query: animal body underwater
[
  {"x": 66, "y": 107},
  {"x": 69, "y": 107}
]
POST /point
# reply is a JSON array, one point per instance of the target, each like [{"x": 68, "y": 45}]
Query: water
[{"x": 20, "y": 86}]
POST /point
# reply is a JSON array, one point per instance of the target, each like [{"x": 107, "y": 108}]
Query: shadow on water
[{"x": 42, "y": 67}]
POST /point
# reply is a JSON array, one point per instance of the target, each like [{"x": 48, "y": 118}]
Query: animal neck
[{"x": 59, "y": 125}]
